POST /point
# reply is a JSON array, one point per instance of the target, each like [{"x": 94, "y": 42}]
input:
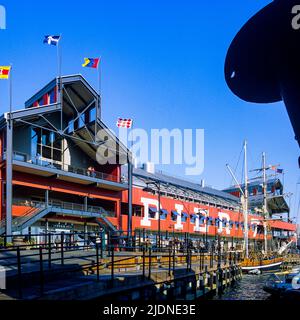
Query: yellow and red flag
[{"x": 4, "y": 72}]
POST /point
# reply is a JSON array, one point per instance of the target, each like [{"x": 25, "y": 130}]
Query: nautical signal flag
[
  {"x": 52, "y": 40},
  {"x": 91, "y": 63},
  {"x": 4, "y": 72},
  {"x": 124, "y": 123}
]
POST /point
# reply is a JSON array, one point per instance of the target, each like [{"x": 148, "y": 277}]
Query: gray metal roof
[
  {"x": 184, "y": 188},
  {"x": 257, "y": 182}
]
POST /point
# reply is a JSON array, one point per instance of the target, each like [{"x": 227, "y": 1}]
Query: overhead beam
[{"x": 35, "y": 111}]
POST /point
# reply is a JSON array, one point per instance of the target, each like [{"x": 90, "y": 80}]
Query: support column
[
  {"x": 85, "y": 234},
  {"x": 9, "y": 159},
  {"x": 47, "y": 198},
  {"x": 47, "y": 226},
  {"x": 129, "y": 226},
  {"x": 86, "y": 204}
]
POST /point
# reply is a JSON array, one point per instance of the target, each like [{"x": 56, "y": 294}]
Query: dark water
[{"x": 249, "y": 288}]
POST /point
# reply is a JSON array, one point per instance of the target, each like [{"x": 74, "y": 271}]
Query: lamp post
[{"x": 157, "y": 184}]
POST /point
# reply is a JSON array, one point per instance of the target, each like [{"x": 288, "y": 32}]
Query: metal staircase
[{"x": 38, "y": 210}]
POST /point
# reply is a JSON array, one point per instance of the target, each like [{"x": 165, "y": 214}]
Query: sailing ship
[{"x": 263, "y": 260}]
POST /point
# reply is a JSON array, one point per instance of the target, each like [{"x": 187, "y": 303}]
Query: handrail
[
  {"x": 39, "y": 161},
  {"x": 62, "y": 205}
]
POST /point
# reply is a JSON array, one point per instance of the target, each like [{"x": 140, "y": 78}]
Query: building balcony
[{"x": 85, "y": 176}]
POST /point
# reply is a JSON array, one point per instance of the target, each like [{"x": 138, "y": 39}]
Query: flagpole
[
  {"x": 130, "y": 185},
  {"x": 9, "y": 152},
  {"x": 59, "y": 86},
  {"x": 10, "y": 91},
  {"x": 100, "y": 87}
]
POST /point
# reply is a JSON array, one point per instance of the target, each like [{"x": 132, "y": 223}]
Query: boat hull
[{"x": 263, "y": 268}]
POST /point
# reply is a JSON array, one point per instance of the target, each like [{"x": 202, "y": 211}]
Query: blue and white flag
[{"x": 52, "y": 40}]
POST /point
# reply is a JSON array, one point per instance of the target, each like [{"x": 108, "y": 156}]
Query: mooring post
[
  {"x": 41, "y": 271},
  {"x": 49, "y": 251},
  {"x": 19, "y": 272},
  {"x": 97, "y": 259},
  {"x": 62, "y": 249}
]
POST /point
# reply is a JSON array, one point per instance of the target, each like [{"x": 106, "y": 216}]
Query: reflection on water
[{"x": 249, "y": 288}]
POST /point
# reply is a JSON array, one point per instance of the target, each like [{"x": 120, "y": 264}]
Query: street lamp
[{"x": 157, "y": 184}]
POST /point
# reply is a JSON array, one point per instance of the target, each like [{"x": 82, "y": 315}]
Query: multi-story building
[
  {"x": 61, "y": 170},
  {"x": 60, "y": 164},
  {"x": 189, "y": 208}
]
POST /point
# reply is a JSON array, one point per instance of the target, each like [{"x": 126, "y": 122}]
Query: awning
[
  {"x": 202, "y": 219},
  {"x": 184, "y": 214},
  {"x": 164, "y": 212},
  {"x": 152, "y": 209}
]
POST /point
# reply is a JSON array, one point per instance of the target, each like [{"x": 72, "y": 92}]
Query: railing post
[
  {"x": 41, "y": 271},
  {"x": 212, "y": 256},
  {"x": 139, "y": 239},
  {"x": 97, "y": 257},
  {"x": 62, "y": 249},
  {"x": 150, "y": 258},
  {"x": 200, "y": 258},
  {"x": 144, "y": 261},
  {"x": 174, "y": 251},
  {"x": 187, "y": 260},
  {"x": 170, "y": 256},
  {"x": 219, "y": 252},
  {"x": 19, "y": 272},
  {"x": 112, "y": 265},
  {"x": 49, "y": 251}
]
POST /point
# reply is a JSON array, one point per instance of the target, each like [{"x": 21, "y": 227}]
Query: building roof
[
  {"x": 256, "y": 183},
  {"x": 184, "y": 188},
  {"x": 77, "y": 94}
]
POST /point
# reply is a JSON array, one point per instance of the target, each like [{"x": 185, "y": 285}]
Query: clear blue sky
[{"x": 162, "y": 65}]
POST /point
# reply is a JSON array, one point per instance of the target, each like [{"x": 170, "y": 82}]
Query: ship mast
[
  {"x": 265, "y": 205},
  {"x": 245, "y": 206},
  {"x": 244, "y": 198}
]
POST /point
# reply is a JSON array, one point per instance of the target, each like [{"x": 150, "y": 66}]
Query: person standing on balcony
[{"x": 91, "y": 171}]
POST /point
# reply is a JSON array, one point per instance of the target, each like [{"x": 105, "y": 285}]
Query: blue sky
[{"x": 162, "y": 64}]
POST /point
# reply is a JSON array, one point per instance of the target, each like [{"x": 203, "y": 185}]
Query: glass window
[
  {"x": 52, "y": 97},
  {"x": 81, "y": 121},
  {"x": 71, "y": 126},
  {"x": 92, "y": 114},
  {"x": 137, "y": 211}
]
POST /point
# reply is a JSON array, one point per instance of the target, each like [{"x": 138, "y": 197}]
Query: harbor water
[{"x": 250, "y": 287}]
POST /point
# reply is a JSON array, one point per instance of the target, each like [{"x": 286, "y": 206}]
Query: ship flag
[
  {"x": 52, "y": 40},
  {"x": 5, "y": 72},
  {"x": 124, "y": 123},
  {"x": 91, "y": 63}
]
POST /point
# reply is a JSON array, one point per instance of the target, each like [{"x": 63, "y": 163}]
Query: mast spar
[
  {"x": 245, "y": 206},
  {"x": 265, "y": 205}
]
